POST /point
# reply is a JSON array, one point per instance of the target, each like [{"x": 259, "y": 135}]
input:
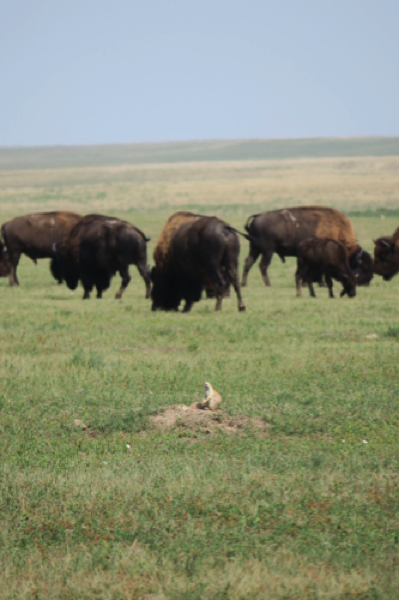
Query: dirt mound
[{"x": 206, "y": 421}]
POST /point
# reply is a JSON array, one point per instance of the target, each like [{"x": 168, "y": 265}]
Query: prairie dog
[{"x": 212, "y": 399}]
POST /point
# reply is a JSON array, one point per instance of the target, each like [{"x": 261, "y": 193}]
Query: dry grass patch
[{"x": 241, "y": 187}]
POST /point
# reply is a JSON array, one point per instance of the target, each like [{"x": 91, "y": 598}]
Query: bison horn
[
  {"x": 4, "y": 248},
  {"x": 386, "y": 243},
  {"x": 359, "y": 254}
]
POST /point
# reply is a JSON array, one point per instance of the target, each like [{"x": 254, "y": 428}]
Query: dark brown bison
[
  {"x": 281, "y": 231},
  {"x": 192, "y": 252},
  {"x": 35, "y": 235},
  {"x": 96, "y": 248},
  {"x": 323, "y": 256},
  {"x": 386, "y": 255}
]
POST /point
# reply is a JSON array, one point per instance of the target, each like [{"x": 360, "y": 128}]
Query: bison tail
[
  {"x": 249, "y": 222},
  {"x": 247, "y": 236},
  {"x": 145, "y": 238}
]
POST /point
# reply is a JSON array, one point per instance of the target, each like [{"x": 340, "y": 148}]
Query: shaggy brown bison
[
  {"x": 386, "y": 255},
  {"x": 191, "y": 252},
  {"x": 281, "y": 231},
  {"x": 35, "y": 235},
  {"x": 323, "y": 256},
  {"x": 96, "y": 248}
]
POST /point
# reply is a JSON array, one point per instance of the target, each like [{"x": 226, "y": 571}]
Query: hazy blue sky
[{"x": 99, "y": 71}]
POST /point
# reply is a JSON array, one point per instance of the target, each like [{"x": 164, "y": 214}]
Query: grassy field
[{"x": 305, "y": 507}]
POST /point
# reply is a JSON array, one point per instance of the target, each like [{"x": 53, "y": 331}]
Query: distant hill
[{"x": 170, "y": 152}]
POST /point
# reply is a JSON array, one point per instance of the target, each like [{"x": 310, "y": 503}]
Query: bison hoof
[{"x": 242, "y": 308}]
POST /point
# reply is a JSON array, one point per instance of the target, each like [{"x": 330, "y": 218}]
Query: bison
[
  {"x": 386, "y": 255},
  {"x": 323, "y": 256},
  {"x": 281, "y": 231},
  {"x": 35, "y": 235},
  {"x": 96, "y": 248},
  {"x": 192, "y": 252}
]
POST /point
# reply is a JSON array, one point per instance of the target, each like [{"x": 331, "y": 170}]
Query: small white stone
[
  {"x": 342, "y": 440},
  {"x": 127, "y": 445},
  {"x": 105, "y": 463},
  {"x": 365, "y": 442}
]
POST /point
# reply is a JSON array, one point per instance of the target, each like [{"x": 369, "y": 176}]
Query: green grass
[{"x": 297, "y": 513}]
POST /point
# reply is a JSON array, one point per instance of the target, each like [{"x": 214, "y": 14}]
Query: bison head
[
  {"x": 169, "y": 289},
  {"x": 386, "y": 257},
  {"x": 362, "y": 266},
  {"x": 63, "y": 265},
  {"x": 164, "y": 291},
  {"x": 5, "y": 265},
  {"x": 349, "y": 286}
]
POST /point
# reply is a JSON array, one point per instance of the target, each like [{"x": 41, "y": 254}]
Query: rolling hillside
[{"x": 191, "y": 151}]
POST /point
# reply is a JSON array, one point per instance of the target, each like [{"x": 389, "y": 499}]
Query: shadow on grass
[{"x": 133, "y": 421}]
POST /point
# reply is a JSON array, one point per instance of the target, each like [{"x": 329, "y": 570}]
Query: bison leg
[
  {"x": 101, "y": 279},
  {"x": 236, "y": 285},
  {"x": 240, "y": 302},
  {"x": 14, "y": 260},
  {"x": 56, "y": 270},
  {"x": 311, "y": 288},
  {"x": 329, "y": 285},
  {"x": 252, "y": 257},
  {"x": 232, "y": 278},
  {"x": 263, "y": 266},
  {"x": 219, "y": 285},
  {"x": 124, "y": 273},
  {"x": 188, "y": 305},
  {"x": 144, "y": 271},
  {"x": 87, "y": 286},
  {"x": 87, "y": 282},
  {"x": 298, "y": 280}
]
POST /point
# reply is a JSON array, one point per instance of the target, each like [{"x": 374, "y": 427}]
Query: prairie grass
[
  {"x": 310, "y": 510},
  {"x": 366, "y": 184}
]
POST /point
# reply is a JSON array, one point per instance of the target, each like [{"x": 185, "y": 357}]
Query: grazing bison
[
  {"x": 323, "y": 256},
  {"x": 281, "y": 231},
  {"x": 35, "y": 235},
  {"x": 96, "y": 248},
  {"x": 386, "y": 255},
  {"x": 191, "y": 253}
]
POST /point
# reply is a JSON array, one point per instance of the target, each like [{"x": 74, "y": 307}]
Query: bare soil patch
[{"x": 206, "y": 421}]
